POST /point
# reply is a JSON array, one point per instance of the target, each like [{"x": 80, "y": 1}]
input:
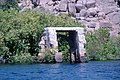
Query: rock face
[{"x": 92, "y": 13}]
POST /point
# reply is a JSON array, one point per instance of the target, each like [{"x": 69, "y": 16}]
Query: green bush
[
  {"x": 8, "y": 4},
  {"x": 22, "y": 58},
  {"x": 100, "y": 46},
  {"x": 20, "y": 32},
  {"x": 49, "y": 56}
]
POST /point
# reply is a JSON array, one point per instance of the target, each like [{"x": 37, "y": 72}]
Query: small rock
[
  {"x": 58, "y": 57},
  {"x": 101, "y": 15}
]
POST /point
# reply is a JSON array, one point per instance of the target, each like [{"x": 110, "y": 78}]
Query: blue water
[{"x": 96, "y": 70}]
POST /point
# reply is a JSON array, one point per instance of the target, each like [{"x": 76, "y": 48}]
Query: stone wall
[{"x": 93, "y": 14}]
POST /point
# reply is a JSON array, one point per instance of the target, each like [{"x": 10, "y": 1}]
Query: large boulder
[
  {"x": 90, "y": 3},
  {"x": 110, "y": 9},
  {"x": 48, "y": 9},
  {"x": 91, "y": 24},
  {"x": 105, "y": 2},
  {"x": 51, "y": 3},
  {"x": 63, "y": 6},
  {"x": 92, "y": 12},
  {"x": 79, "y": 5},
  {"x": 114, "y": 17},
  {"x": 25, "y": 4},
  {"x": 42, "y": 2},
  {"x": 71, "y": 8},
  {"x": 83, "y": 13},
  {"x": 105, "y": 24}
]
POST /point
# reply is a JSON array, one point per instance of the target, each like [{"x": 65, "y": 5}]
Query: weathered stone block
[
  {"x": 92, "y": 12},
  {"x": 114, "y": 17},
  {"x": 81, "y": 39},
  {"x": 90, "y": 3},
  {"x": 93, "y": 19},
  {"x": 71, "y": 1},
  {"x": 110, "y": 9},
  {"x": 50, "y": 3},
  {"x": 42, "y": 2},
  {"x": 83, "y": 13},
  {"x": 105, "y": 24},
  {"x": 101, "y": 15},
  {"x": 58, "y": 57},
  {"x": 71, "y": 8},
  {"x": 91, "y": 24},
  {"x": 90, "y": 29},
  {"x": 63, "y": 6},
  {"x": 79, "y": 5}
]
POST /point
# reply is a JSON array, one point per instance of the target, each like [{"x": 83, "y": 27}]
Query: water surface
[{"x": 96, "y": 70}]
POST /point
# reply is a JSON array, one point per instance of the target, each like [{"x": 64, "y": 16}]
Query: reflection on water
[{"x": 101, "y": 70}]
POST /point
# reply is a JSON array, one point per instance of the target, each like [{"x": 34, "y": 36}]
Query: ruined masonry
[
  {"x": 76, "y": 43},
  {"x": 93, "y": 14}
]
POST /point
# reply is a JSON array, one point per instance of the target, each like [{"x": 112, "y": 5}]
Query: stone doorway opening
[
  {"x": 75, "y": 39},
  {"x": 68, "y": 45}
]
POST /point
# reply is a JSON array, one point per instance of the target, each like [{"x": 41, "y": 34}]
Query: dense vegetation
[
  {"x": 8, "y": 4},
  {"x": 20, "y": 33},
  {"x": 101, "y": 47}
]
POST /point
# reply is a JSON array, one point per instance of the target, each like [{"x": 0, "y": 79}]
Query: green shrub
[
  {"x": 49, "y": 56},
  {"x": 22, "y": 58},
  {"x": 8, "y": 4},
  {"x": 100, "y": 46}
]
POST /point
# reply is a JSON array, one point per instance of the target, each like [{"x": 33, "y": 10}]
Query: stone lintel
[{"x": 64, "y": 28}]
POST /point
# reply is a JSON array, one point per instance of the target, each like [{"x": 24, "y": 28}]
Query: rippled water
[{"x": 99, "y": 70}]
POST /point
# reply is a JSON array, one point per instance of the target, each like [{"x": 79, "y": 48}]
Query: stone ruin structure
[
  {"x": 93, "y": 14},
  {"x": 76, "y": 42}
]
